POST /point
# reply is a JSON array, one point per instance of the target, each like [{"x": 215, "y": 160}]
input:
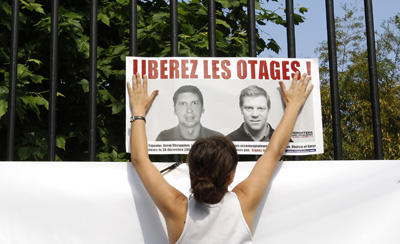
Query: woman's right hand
[{"x": 139, "y": 100}]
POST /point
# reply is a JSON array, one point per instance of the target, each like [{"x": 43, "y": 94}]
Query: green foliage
[
  {"x": 354, "y": 89},
  {"x": 113, "y": 47}
]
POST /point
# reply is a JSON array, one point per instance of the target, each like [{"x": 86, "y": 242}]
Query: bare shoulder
[
  {"x": 180, "y": 205},
  {"x": 175, "y": 204},
  {"x": 251, "y": 190},
  {"x": 246, "y": 194},
  {"x": 246, "y": 205},
  {"x": 176, "y": 221}
]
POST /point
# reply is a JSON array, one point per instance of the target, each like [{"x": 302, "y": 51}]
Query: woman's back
[{"x": 222, "y": 222}]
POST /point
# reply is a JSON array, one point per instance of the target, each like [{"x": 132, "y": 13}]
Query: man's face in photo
[
  {"x": 188, "y": 109},
  {"x": 255, "y": 112}
]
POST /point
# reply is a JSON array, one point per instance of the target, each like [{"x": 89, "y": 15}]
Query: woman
[{"x": 213, "y": 214}]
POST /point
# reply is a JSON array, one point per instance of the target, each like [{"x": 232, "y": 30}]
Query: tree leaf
[
  {"x": 60, "y": 142},
  {"x": 3, "y": 107},
  {"x": 104, "y": 18}
]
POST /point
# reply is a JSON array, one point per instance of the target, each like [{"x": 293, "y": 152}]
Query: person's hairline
[
  {"x": 254, "y": 91},
  {"x": 189, "y": 89},
  {"x": 241, "y": 102}
]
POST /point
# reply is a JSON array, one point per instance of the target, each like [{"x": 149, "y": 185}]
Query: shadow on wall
[{"x": 151, "y": 222}]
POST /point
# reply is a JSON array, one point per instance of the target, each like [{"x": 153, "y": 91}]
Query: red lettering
[
  {"x": 241, "y": 69},
  {"x": 193, "y": 74},
  {"x": 285, "y": 70},
  {"x": 163, "y": 69},
  {"x": 173, "y": 69},
  {"x": 294, "y": 66},
  {"x": 215, "y": 69},
  {"x": 153, "y": 71},
  {"x": 253, "y": 68},
  {"x": 185, "y": 69},
  {"x": 263, "y": 72},
  {"x": 274, "y": 68},
  {"x": 143, "y": 67},
  {"x": 206, "y": 74},
  {"x": 224, "y": 66},
  {"x": 135, "y": 66}
]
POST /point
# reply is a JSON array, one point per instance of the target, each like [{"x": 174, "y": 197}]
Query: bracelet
[{"x": 133, "y": 118}]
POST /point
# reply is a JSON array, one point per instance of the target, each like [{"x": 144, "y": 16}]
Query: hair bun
[
  {"x": 204, "y": 190},
  {"x": 205, "y": 183},
  {"x": 204, "y": 179}
]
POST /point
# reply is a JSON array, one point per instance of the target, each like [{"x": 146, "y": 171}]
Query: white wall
[{"x": 105, "y": 202}]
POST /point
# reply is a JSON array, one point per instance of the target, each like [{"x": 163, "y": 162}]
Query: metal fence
[{"x": 174, "y": 52}]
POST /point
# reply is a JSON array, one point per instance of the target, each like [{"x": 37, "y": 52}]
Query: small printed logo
[{"x": 302, "y": 134}]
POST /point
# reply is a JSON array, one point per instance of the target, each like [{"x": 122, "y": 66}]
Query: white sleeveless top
[{"x": 220, "y": 223}]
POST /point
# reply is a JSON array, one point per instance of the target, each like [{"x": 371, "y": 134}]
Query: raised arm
[
  {"x": 251, "y": 191},
  {"x": 166, "y": 197},
  {"x": 139, "y": 102}
]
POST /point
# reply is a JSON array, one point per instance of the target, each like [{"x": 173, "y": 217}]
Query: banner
[
  {"x": 236, "y": 97},
  {"x": 308, "y": 202}
]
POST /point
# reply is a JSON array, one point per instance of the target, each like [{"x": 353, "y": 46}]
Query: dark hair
[
  {"x": 254, "y": 91},
  {"x": 187, "y": 88},
  {"x": 211, "y": 161}
]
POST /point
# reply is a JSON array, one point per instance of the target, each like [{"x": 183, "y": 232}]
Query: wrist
[
  {"x": 134, "y": 118},
  {"x": 293, "y": 106},
  {"x": 139, "y": 112}
]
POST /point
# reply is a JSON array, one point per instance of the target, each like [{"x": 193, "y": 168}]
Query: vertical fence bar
[
  {"x": 212, "y": 29},
  {"x": 133, "y": 28},
  {"x": 174, "y": 27},
  {"x": 251, "y": 15},
  {"x": 291, "y": 42},
  {"x": 174, "y": 39},
  {"x": 53, "y": 81},
  {"x": 333, "y": 71},
  {"x": 93, "y": 80},
  {"x": 373, "y": 76},
  {"x": 13, "y": 81},
  {"x": 251, "y": 19}
]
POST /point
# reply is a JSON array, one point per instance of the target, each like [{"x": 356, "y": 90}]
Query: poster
[{"x": 200, "y": 97}]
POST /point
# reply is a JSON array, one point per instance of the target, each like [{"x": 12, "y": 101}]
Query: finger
[
  {"x": 153, "y": 96},
  {"x": 283, "y": 88},
  {"x": 308, "y": 91},
  {"x": 128, "y": 85},
  {"x": 296, "y": 75},
  {"x": 138, "y": 82},
  {"x": 295, "y": 78},
  {"x": 301, "y": 81},
  {"x": 145, "y": 83},
  {"x": 307, "y": 81},
  {"x": 134, "y": 82},
  {"x": 282, "y": 85}
]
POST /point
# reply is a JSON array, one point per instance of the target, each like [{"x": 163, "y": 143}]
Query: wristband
[{"x": 133, "y": 118}]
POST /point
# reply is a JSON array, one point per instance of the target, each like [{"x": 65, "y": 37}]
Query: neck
[
  {"x": 257, "y": 135},
  {"x": 190, "y": 132}
]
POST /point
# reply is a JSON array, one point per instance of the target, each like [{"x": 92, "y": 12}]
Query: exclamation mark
[{"x": 308, "y": 68}]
